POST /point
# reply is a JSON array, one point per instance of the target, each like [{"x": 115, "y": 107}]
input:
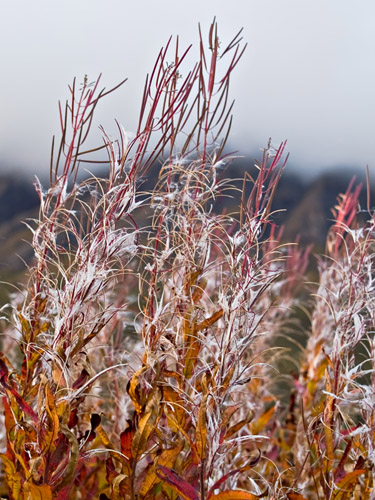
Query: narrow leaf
[
  {"x": 236, "y": 495},
  {"x": 13, "y": 477},
  {"x": 201, "y": 430},
  {"x": 146, "y": 425},
  {"x": 238, "y": 426},
  {"x": 232, "y": 473},
  {"x": 348, "y": 481},
  {"x": 133, "y": 389},
  {"x": 295, "y": 496},
  {"x": 182, "y": 487},
  {"x": 126, "y": 438},
  {"x": 166, "y": 459}
]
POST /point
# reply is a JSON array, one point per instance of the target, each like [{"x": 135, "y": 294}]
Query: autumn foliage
[{"x": 141, "y": 359}]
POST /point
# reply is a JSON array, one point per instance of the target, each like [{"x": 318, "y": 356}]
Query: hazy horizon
[{"x": 306, "y": 75}]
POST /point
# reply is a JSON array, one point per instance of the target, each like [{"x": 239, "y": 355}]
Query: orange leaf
[
  {"x": 54, "y": 424},
  {"x": 191, "y": 357},
  {"x": 175, "y": 426},
  {"x": 238, "y": 426},
  {"x": 346, "y": 482},
  {"x": 209, "y": 321},
  {"x": 236, "y": 495},
  {"x": 146, "y": 425},
  {"x": 37, "y": 492},
  {"x": 126, "y": 438},
  {"x": 201, "y": 430},
  {"x": 13, "y": 477},
  {"x": 233, "y": 472},
  {"x": 166, "y": 459},
  {"x": 133, "y": 389},
  {"x": 258, "y": 426},
  {"x": 295, "y": 496},
  {"x": 173, "y": 398}
]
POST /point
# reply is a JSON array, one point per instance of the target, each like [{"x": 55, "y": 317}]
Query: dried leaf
[
  {"x": 133, "y": 389},
  {"x": 191, "y": 357},
  {"x": 167, "y": 459},
  {"x": 182, "y": 487},
  {"x": 148, "y": 481},
  {"x": 347, "y": 482},
  {"x": 37, "y": 492},
  {"x": 54, "y": 425},
  {"x": 238, "y": 426},
  {"x": 73, "y": 460},
  {"x": 104, "y": 436},
  {"x": 201, "y": 430},
  {"x": 146, "y": 425},
  {"x": 236, "y": 495},
  {"x": 232, "y": 473},
  {"x": 119, "y": 486},
  {"x": 262, "y": 421},
  {"x": 126, "y": 438},
  {"x": 13, "y": 477},
  {"x": 82, "y": 379},
  {"x": 175, "y": 401},
  {"x": 12, "y": 392}
]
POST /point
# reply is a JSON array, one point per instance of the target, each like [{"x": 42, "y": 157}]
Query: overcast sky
[{"x": 308, "y": 74}]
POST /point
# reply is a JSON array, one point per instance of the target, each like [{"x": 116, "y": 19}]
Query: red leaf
[
  {"x": 23, "y": 405},
  {"x": 84, "y": 376},
  {"x": 182, "y": 487},
  {"x": 20, "y": 401},
  {"x": 3, "y": 371},
  {"x": 73, "y": 419},
  {"x": 126, "y": 438},
  {"x": 232, "y": 473},
  {"x": 61, "y": 452}
]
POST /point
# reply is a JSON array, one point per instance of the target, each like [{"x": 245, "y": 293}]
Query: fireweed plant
[{"x": 139, "y": 360}]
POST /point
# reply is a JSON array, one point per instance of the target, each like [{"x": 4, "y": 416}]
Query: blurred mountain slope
[
  {"x": 18, "y": 202},
  {"x": 304, "y": 209}
]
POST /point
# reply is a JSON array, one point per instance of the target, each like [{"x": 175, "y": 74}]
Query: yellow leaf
[
  {"x": 25, "y": 325},
  {"x": 209, "y": 321},
  {"x": 235, "y": 495},
  {"x": 328, "y": 415},
  {"x": 258, "y": 425},
  {"x": 37, "y": 492},
  {"x": 13, "y": 477},
  {"x": 167, "y": 459},
  {"x": 33, "y": 359},
  {"x": 148, "y": 481},
  {"x": 63, "y": 411},
  {"x": 176, "y": 402},
  {"x": 176, "y": 427},
  {"x": 201, "y": 430},
  {"x": 54, "y": 427},
  {"x": 132, "y": 391},
  {"x": 146, "y": 425},
  {"x": 103, "y": 436},
  {"x": 117, "y": 486},
  {"x": 191, "y": 357},
  {"x": 348, "y": 481},
  {"x": 238, "y": 426}
]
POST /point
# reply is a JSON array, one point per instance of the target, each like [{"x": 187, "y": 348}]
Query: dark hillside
[{"x": 304, "y": 209}]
